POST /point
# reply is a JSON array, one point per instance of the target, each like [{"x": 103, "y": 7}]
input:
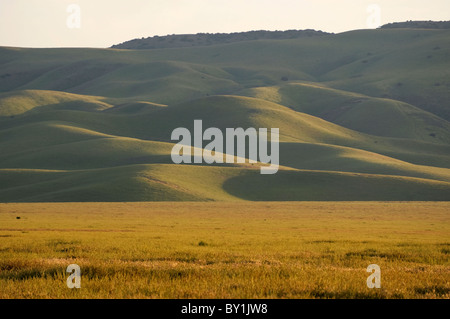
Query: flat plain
[{"x": 225, "y": 249}]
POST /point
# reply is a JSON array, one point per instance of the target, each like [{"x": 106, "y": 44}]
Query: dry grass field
[{"x": 225, "y": 250}]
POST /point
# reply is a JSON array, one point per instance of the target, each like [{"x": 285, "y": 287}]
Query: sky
[{"x": 102, "y": 23}]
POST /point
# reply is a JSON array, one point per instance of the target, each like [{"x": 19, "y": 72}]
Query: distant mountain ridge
[
  {"x": 202, "y": 39},
  {"x": 418, "y": 25},
  {"x": 205, "y": 39}
]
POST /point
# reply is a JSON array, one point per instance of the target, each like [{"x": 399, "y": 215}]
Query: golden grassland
[{"x": 225, "y": 250}]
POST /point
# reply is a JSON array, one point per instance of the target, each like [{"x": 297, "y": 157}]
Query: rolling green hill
[
  {"x": 363, "y": 115},
  {"x": 376, "y": 116},
  {"x": 19, "y": 102}
]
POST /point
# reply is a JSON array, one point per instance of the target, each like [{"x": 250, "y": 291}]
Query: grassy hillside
[
  {"x": 363, "y": 115},
  {"x": 167, "y": 182},
  {"x": 404, "y": 64},
  {"x": 376, "y": 116},
  {"x": 19, "y": 102}
]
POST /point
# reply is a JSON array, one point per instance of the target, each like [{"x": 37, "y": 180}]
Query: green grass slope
[
  {"x": 363, "y": 115},
  {"x": 232, "y": 111},
  {"x": 375, "y": 116},
  {"x": 115, "y": 184},
  {"x": 415, "y": 69},
  {"x": 315, "y": 185},
  {"x": 162, "y": 182},
  {"x": 409, "y": 65},
  {"x": 72, "y": 139},
  {"x": 19, "y": 102},
  {"x": 314, "y": 156}
]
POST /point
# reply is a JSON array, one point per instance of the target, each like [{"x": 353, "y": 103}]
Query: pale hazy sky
[{"x": 102, "y": 23}]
